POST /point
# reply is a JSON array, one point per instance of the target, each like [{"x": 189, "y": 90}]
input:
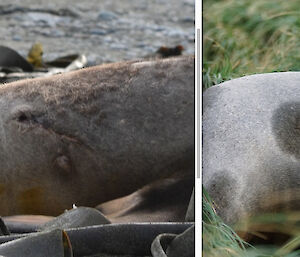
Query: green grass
[
  {"x": 218, "y": 238},
  {"x": 221, "y": 240},
  {"x": 244, "y": 37}
]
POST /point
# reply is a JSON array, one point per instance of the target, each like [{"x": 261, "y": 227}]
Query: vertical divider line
[{"x": 198, "y": 104}]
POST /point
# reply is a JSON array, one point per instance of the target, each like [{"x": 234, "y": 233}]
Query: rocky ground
[{"x": 103, "y": 30}]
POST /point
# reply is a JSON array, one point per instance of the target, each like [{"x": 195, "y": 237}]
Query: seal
[
  {"x": 251, "y": 145},
  {"x": 90, "y": 136}
]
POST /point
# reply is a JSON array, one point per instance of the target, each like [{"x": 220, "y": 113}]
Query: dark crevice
[{"x": 23, "y": 118}]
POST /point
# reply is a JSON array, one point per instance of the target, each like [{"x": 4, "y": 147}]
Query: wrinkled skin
[{"x": 93, "y": 135}]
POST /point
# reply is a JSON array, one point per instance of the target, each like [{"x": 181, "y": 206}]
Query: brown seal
[{"x": 93, "y": 135}]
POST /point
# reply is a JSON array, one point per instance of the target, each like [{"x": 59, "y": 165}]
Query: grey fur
[{"x": 251, "y": 142}]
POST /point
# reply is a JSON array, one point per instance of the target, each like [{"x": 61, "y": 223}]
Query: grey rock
[
  {"x": 13, "y": 8},
  {"x": 27, "y": 24},
  {"x": 75, "y": 18},
  {"x": 98, "y": 32},
  {"x": 118, "y": 46},
  {"x": 251, "y": 144},
  {"x": 57, "y": 33},
  {"x": 189, "y": 3},
  {"x": 17, "y": 38},
  {"x": 141, "y": 45},
  {"x": 188, "y": 20},
  {"x": 46, "y": 19},
  {"x": 176, "y": 33},
  {"x": 107, "y": 16}
]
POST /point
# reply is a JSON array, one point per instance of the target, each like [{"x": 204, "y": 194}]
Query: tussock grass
[
  {"x": 218, "y": 238},
  {"x": 221, "y": 240},
  {"x": 244, "y": 37}
]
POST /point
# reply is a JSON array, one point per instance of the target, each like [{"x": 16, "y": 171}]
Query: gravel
[{"x": 105, "y": 31}]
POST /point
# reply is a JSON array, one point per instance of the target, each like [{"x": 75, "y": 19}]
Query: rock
[
  {"x": 16, "y": 38},
  {"x": 188, "y": 20},
  {"x": 72, "y": 26},
  {"x": 118, "y": 46},
  {"x": 98, "y": 32},
  {"x": 48, "y": 19},
  {"x": 13, "y": 8},
  {"x": 107, "y": 16},
  {"x": 251, "y": 144},
  {"x": 176, "y": 33},
  {"x": 57, "y": 33}
]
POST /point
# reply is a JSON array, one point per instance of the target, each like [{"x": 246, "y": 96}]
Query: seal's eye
[
  {"x": 25, "y": 117},
  {"x": 22, "y": 117}
]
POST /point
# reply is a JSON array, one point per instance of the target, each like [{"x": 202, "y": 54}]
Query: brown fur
[
  {"x": 165, "y": 200},
  {"x": 96, "y": 134},
  {"x": 79, "y": 89}
]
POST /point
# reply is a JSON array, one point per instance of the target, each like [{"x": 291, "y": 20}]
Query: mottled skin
[{"x": 93, "y": 135}]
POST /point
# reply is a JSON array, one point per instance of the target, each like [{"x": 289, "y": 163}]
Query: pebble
[
  {"x": 118, "y": 46},
  {"x": 44, "y": 18},
  {"x": 16, "y": 38},
  {"x": 57, "y": 33},
  {"x": 98, "y": 32},
  {"x": 107, "y": 16},
  {"x": 176, "y": 33},
  {"x": 188, "y": 20},
  {"x": 87, "y": 27}
]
